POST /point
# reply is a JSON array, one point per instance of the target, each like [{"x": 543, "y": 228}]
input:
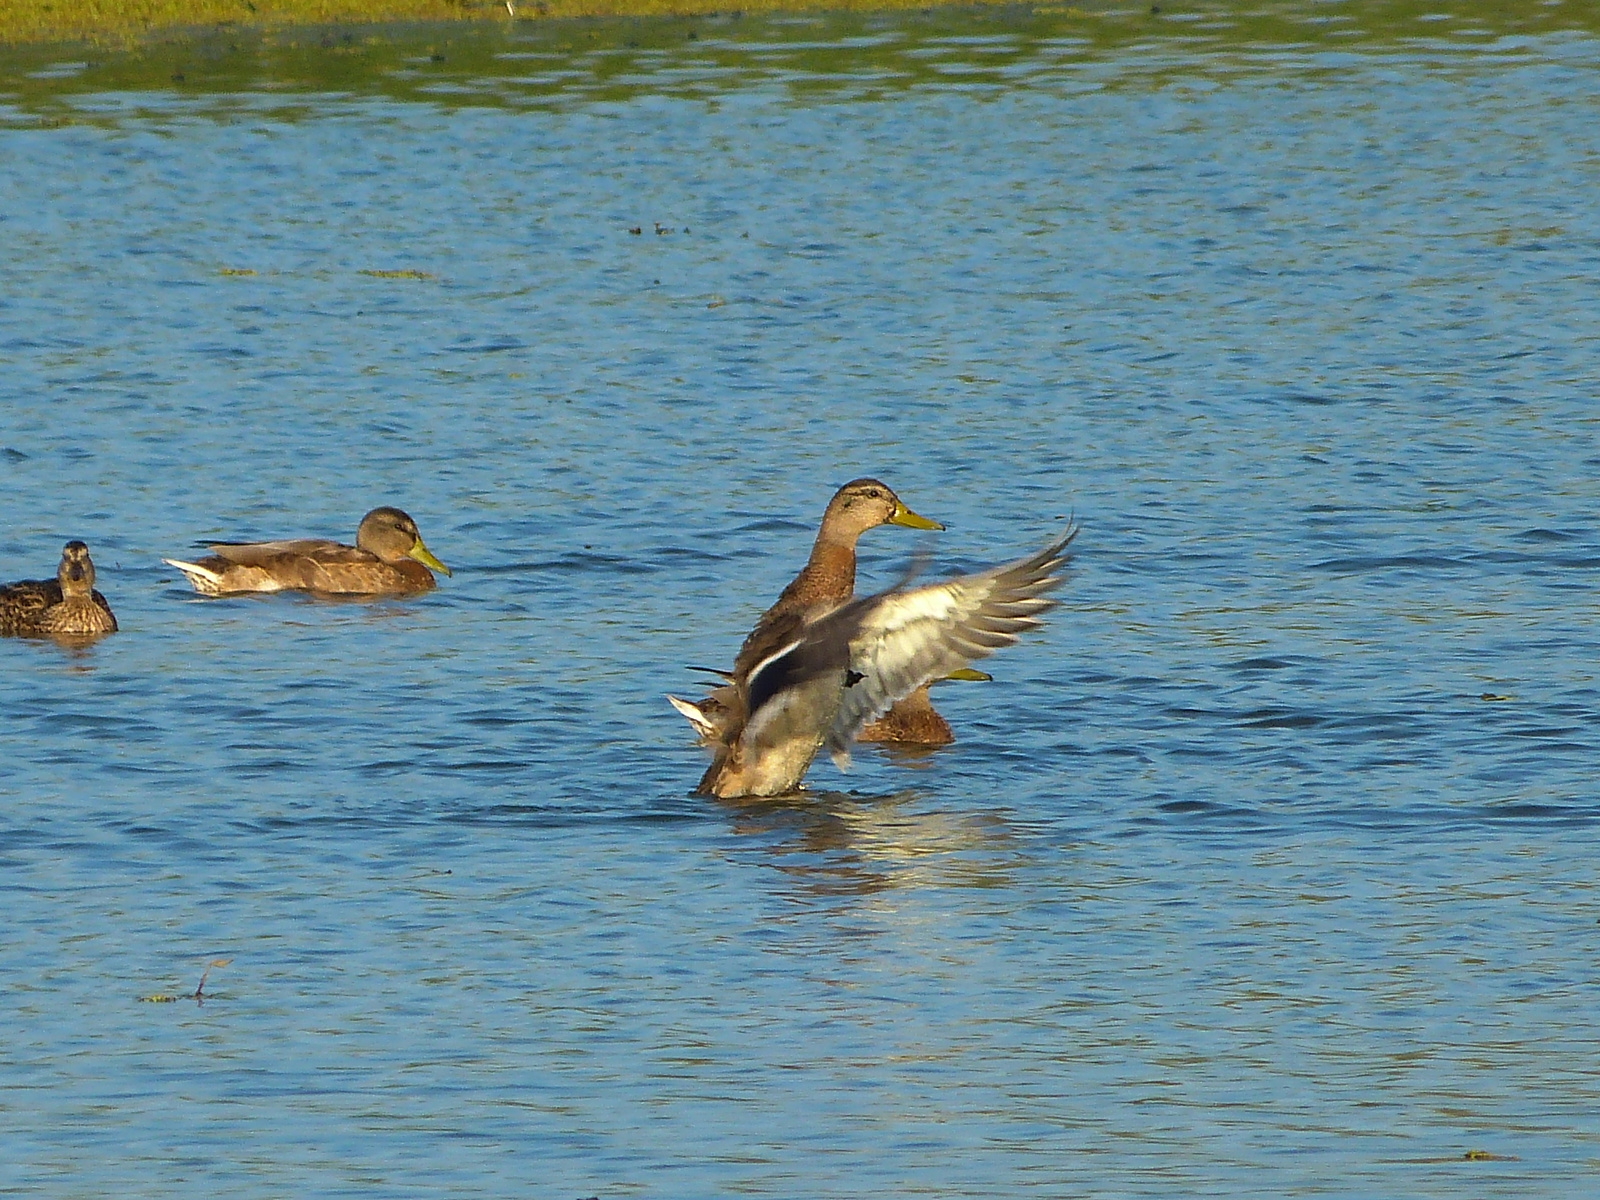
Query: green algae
[
  {"x": 125, "y": 22},
  {"x": 133, "y": 23}
]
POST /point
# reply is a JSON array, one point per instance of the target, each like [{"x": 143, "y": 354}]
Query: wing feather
[
  {"x": 266, "y": 554},
  {"x": 900, "y": 640}
]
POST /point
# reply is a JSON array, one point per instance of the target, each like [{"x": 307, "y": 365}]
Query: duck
[
  {"x": 827, "y": 580},
  {"x": 389, "y": 558},
  {"x": 914, "y": 721},
  {"x": 66, "y": 606},
  {"x": 839, "y": 669}
]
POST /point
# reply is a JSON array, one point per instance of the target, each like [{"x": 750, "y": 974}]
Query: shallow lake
[{"x": 1267, "y": 868}]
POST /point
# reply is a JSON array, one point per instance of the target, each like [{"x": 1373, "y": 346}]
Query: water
[{"x": 1266, "y": 869}]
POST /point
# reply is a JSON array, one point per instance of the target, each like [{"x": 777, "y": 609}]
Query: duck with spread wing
[
  {"x": 826, "y": 581},
  {"x": 815, "y": 681}
]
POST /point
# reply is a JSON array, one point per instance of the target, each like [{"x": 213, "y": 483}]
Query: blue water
[{"x": 1268, "y": 868}]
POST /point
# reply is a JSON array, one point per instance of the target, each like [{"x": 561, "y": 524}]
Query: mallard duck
[
  {"x": 388, "y": 558},
  {"x": 839, "y": 670},
  {"x": 914, "y": 721},
  {"x": 826, "y": 581},
  {"x": 66, "y": 606}
]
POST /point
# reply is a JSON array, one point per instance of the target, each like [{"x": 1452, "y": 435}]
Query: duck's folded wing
[
  {"x": 266, "y": 554},
  {"x": 777, "y": 673},
  {"x": 30, "y": 596},
  {"x": 772, "y": 634},
  {"x": 900, "y": 640},
  {"x": 105, "y": 606}
]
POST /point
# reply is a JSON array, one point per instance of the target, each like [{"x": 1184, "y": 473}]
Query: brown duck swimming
[
  {"x": 389, "y": 558},
  {"x": 914, "y": 721},
  {"x": 848, "y": 665},
  {"x": 66, "y": 606}
]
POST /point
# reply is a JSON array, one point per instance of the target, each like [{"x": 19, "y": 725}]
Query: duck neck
[
  {"x": 830, "y": 573},
  {"x": 76, "y": 591}
]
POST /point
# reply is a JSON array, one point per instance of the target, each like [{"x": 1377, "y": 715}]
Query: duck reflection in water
[{"x": 850, "y": 844}]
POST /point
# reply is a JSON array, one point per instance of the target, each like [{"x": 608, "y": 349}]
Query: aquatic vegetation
[
  {"x": 113, "y": 21},
  {"x": 406, "y": 273}
]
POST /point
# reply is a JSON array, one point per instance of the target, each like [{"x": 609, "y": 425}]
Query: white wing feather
[{"x": 903, "y": 639}]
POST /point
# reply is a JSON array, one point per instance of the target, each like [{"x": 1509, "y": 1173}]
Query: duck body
[
  {"x": 389, "y": 558},
  {"x": 772, "y": 760},
  {"x": 826, "y": 581},
  {"x": 66, "y": 606},
  {"x": 829, "y": 577},
  {"x": 845, "y": 667},
  {"x": 912, "y": 721}
]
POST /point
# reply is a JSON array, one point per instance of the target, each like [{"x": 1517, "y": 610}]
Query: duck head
[
  {"x": 76, "y": 572},
  {"x": 391, "y": 535},
  {"x": 864, "y": 504}
]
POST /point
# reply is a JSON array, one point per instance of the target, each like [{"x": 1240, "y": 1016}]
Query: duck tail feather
[
  {"x": 702, "y": 724},
  {"x": 204, "y": 579}
]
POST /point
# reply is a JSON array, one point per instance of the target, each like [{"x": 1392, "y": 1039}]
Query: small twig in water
[{"x": 201, "y": 986}]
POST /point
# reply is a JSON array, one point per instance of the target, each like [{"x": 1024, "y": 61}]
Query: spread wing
[
  {"x": 901, "y": 639},
  {"x": 268, "y": 554},
  {"x": 789, "y": 683}
]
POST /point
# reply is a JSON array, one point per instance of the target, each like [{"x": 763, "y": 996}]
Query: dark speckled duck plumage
[{"x": 66, "y": 606}]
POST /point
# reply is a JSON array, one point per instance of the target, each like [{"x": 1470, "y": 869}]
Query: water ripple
[{"x": 1274, "y": 836}]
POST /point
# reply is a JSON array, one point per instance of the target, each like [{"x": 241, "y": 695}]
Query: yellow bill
[
  {"x": 904, "y": 516},
  {"x": 425, "y": 556}
]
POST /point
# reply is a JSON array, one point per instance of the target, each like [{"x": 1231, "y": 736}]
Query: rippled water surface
[{"x": 1268, "y": 868}]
